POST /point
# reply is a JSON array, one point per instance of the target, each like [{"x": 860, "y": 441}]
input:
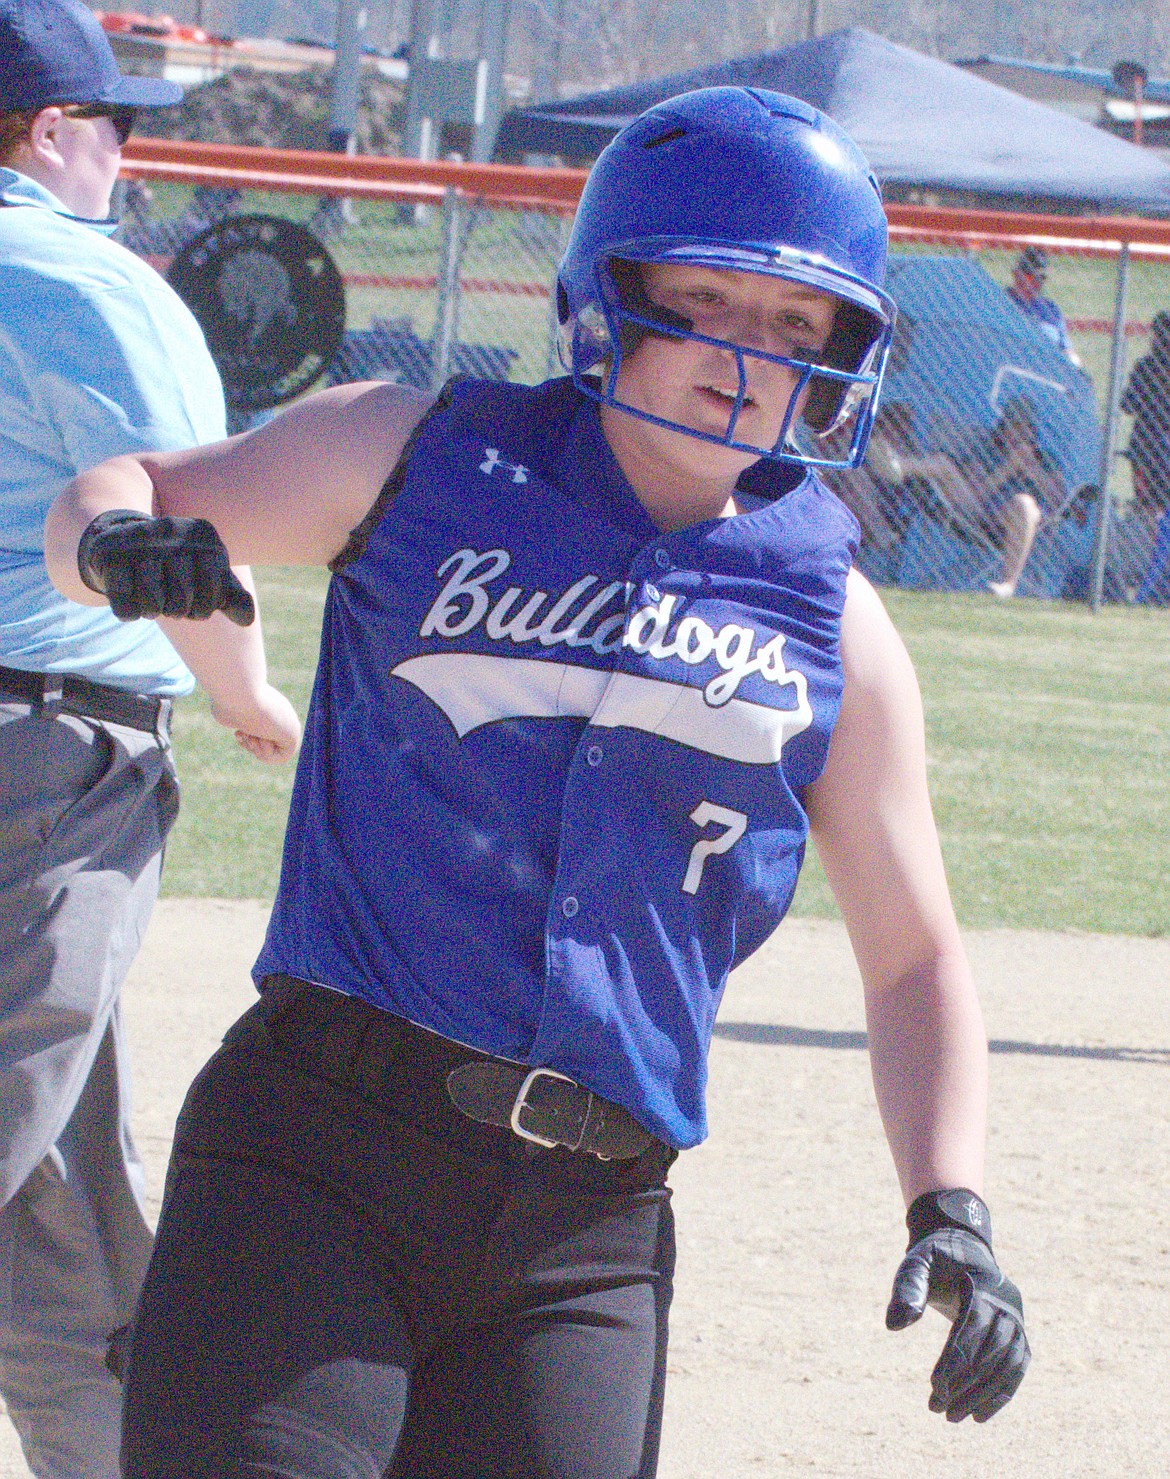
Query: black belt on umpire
[
  {"x": 88, "y": 700},
  {"x": 351, "y": 1041}
]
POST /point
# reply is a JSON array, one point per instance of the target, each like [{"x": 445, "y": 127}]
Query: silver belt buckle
[
  {"x": 162, "y": 722},
  {"x": 522, "y": 1103}
]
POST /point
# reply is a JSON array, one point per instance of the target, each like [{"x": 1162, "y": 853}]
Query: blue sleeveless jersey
[{"x": 549, "y": 792}]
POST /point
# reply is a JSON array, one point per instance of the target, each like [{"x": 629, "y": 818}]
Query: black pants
[{"x": 350, "y": 1278}]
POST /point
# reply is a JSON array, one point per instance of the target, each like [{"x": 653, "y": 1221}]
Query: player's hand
[
  {"x": 161, "y": 567},
  {"x": 269, "y": 729},
  {"x": 953, "y": 1268}
]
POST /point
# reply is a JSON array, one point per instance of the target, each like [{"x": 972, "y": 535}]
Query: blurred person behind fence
[
  {"x": 999, "y": 484},
  {"x": 1029, "y": 276},
  {"x": 871, "y": 490},
  {"x": 97, "y": 357},
  {"x": 1147, "y": 399}
]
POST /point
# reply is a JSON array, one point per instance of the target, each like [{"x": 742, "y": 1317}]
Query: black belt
[
  {"x": 546, "y": 1108},
  {"x": 89, "y": 700},
  {"x": 353, "y": 1042}
]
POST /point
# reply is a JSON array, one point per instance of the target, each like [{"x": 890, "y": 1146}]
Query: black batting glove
[
  {"x": 161, "y": 567},
  {"x": 949, "y": 1264}
]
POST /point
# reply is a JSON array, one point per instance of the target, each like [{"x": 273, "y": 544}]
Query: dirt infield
[{"x": 790, "y": 1224}]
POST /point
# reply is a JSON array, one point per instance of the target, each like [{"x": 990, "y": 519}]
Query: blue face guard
[{"x": 612, "y": 333}]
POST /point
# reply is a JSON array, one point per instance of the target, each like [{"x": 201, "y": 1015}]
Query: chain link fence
[
  {"x": 1021, "y": 384},
  {"x": 1003, "y": 418}
]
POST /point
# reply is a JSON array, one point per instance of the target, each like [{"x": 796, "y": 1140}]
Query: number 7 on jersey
[{"x": 735, "y": 823}]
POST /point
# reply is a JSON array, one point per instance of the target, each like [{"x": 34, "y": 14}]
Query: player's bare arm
[
  {"x": 874, "y": 830},
  {"x": 871, "y": 819},
  {"x": 287, "y": 493},
  {"x": 229, "y": 663}
]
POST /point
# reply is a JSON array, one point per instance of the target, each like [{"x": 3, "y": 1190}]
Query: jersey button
[
  {"x": 593, "y": 755},
  {"x": 569, "y": 906},
  {"x": 662, "y": 559},
  {"x": 653, "y": 593}
]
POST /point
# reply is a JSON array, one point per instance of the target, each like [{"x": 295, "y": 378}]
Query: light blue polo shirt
[{"x": 98, "y": 357}]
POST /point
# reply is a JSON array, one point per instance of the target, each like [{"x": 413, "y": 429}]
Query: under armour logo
[
  {"x": 974, "y": 1213},
  {"x": 494, "y": 460}
]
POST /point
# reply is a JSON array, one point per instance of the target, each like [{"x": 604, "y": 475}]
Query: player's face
[{"x": 695, "y": 385}]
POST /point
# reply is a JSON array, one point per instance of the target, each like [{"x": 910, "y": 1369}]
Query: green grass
[
  {"x": 227, "y": 840},
  {"x": 1048, "y": 739},
  {"x": 1048, "y": 734}
]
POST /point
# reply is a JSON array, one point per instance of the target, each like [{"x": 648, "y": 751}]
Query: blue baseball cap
[{"x": 54, "y": 51}]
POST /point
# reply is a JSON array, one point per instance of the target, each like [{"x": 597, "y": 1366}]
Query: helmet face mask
[{"x": 731, "y": 179}]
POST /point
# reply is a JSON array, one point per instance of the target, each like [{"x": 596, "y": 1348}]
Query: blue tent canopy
[
  {"x": 963, "y": 350},
  {"x": 920, "y": 122}
]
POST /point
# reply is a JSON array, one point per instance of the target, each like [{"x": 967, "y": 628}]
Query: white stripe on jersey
[{"x": 474, "y": 690}]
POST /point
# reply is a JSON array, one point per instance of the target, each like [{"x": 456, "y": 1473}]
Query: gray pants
[{"x": 84, "y": 812}]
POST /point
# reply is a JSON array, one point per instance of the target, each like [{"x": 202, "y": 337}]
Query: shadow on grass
[{"x": 772, "y": 1035}]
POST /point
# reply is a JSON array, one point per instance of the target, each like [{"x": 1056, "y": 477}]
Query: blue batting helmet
[{"x": 750, "y": 181}]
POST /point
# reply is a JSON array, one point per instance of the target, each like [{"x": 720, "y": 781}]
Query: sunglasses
[{"x": 120, "y": 115}]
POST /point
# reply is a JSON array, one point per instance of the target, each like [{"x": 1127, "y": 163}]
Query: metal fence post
[
  {"x": 1109, "y": 439},
  {"x": 447, "y": 308}
]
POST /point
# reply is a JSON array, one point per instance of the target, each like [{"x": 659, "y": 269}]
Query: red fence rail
[
  {"x": 521, "y": 187},
  {"x": 305, "y": 172}
]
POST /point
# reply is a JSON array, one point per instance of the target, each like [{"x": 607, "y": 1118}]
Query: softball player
[{"x": 594, "y": 663}]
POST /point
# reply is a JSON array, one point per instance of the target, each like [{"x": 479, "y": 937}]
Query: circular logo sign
[{"x": 270, "y": 302}]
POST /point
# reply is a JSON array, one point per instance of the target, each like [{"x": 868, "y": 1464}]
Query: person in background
[
  {"x": 1000, "y": 485},
  {"x": 97, "y": 357},
  {"x": 1147, "y": 399},
  {"x": 1029, "y": 276},
  {"x": 870, "y": 491}
]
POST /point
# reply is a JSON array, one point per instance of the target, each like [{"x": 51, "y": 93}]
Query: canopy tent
[
  {"x": 921, "y": 123},
  {"x": 964, "y": 358},
  {"x": 962, "y": 350}
]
